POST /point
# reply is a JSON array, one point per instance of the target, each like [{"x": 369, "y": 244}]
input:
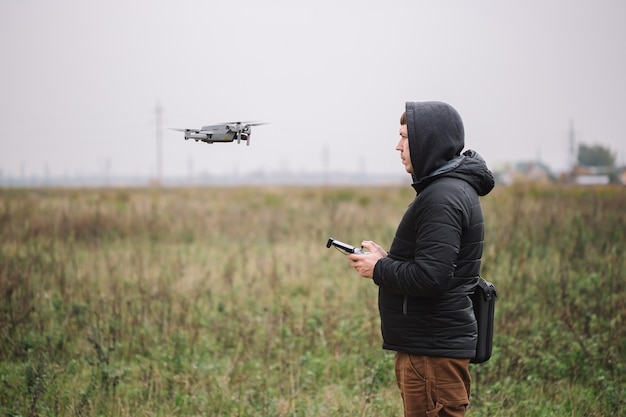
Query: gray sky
[{"x": 80, "y": 80}]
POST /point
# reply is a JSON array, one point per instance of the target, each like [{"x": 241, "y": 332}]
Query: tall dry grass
[{"x": 225, "y": 301}]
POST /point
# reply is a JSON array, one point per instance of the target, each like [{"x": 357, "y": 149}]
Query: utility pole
[
  {"x": 159, "y": 143},
  {"x": 190, "y": 169},
  {"x": 572, "y": 145}
]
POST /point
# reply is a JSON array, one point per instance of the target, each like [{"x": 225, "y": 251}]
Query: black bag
[{"x": 484, "y": 300}]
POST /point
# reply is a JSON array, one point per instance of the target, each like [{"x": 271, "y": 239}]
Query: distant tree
[{"x": 595, "y": 156}]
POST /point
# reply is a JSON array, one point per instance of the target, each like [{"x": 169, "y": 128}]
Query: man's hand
[{"x": 364, "y": 264}]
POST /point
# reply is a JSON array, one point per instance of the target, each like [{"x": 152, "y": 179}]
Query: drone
[{"x": 223, "y": 132}]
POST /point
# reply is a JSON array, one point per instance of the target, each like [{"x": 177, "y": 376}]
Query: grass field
[{"x": 226, "y": 302}]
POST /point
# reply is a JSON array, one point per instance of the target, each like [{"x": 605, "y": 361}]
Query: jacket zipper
[{"x": 405, "y": 304}]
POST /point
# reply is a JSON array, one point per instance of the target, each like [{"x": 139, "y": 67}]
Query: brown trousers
[{"x": 432, "y": 386}]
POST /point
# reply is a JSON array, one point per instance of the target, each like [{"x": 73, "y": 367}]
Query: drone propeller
[
  {"x": 244, "y": 124},
  {"x": 247, "y": 125}
]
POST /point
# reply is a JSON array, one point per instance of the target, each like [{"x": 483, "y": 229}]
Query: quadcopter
[{"x": 223, "y": 132}]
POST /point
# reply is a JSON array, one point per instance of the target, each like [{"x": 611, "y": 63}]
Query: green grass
[{"x": 226, "y": 302}]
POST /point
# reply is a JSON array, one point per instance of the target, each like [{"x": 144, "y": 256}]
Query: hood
[{"x": 436, "y": 139}]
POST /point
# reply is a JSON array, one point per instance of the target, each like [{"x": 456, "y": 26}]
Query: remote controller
[{"x": 344, "y": 247}]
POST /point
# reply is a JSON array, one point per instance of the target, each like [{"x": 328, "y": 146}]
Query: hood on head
[
  {"x": 436, "y": 135},
  {"x": 436, "y": 139}
]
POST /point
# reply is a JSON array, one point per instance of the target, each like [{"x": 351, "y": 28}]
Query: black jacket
[{"x": 434, "y": 260}]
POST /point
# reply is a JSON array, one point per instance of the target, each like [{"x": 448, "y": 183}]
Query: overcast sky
[{"x": 80, "y": 81}]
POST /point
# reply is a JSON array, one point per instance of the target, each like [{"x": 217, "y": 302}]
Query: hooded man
[{"x": 433, "y": 265}]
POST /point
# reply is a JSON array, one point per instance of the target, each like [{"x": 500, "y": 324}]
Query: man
[{"x": 433, "y": 264}]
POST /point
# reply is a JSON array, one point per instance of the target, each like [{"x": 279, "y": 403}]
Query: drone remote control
[{"x": 344, "y": 247}]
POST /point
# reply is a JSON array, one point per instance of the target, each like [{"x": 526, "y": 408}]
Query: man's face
[{"x": 403, "y": 147}]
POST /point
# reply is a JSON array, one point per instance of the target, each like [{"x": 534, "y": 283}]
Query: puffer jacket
[{"x": 434, "y": 261}]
